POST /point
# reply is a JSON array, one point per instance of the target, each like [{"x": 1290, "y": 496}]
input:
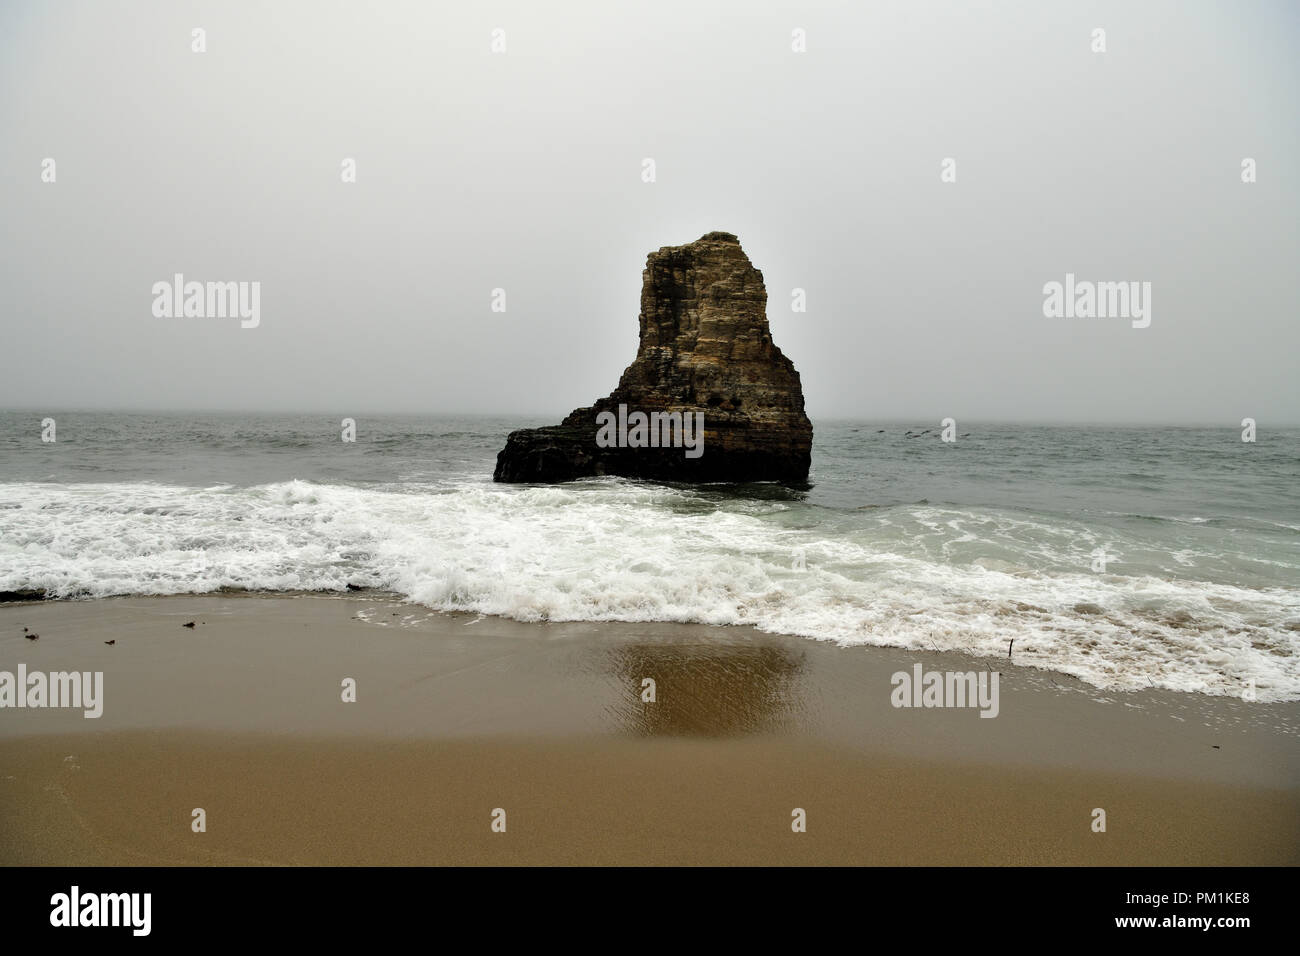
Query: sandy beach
[{"x": 457, "y": 716}]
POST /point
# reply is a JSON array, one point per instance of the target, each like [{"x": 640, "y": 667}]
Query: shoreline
[
  {"x": 28, "y": 598},
  {"x": 456, "y": 715}
]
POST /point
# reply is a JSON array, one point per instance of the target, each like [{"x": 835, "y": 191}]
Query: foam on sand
[{"x": 916, "y": 576}]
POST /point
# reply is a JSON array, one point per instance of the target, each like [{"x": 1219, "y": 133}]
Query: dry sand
[{"x": 457, "y": 715}]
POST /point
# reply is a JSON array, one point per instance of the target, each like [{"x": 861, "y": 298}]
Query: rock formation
[{"x": 706, "y": 355}]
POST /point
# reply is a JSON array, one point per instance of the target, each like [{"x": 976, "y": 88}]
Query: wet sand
[{"x": 456, "y": 716}]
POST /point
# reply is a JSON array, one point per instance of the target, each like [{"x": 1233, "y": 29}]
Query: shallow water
[{"x": 1129, "y": 557}]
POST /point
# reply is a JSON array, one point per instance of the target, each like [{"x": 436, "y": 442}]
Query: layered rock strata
[{"x": 706, "y": 357}]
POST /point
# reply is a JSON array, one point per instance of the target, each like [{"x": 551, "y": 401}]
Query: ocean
[{"x": 1129, "y": 557}]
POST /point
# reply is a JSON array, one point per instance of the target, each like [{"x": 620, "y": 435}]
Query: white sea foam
[{"x": 917, "y": 576}]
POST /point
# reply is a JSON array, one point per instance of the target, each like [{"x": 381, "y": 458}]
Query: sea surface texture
[{"x": 1129, "y": 557}]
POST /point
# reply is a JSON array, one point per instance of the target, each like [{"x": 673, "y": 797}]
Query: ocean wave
[{"x": 917, "y": 576}]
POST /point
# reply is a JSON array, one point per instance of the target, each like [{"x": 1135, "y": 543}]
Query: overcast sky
[{"x": 523, "y": 170}]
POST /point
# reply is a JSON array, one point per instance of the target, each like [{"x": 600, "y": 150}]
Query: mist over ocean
[{"x": 1130, "y": 557}]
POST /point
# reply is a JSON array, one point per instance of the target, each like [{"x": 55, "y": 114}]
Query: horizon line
[{"x": 832, "y": 418}]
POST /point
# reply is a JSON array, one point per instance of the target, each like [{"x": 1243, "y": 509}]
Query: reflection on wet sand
[{"x": 706, "y": 690}]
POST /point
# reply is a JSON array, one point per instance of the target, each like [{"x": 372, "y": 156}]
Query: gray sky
[{"x": 522, "y": 171}]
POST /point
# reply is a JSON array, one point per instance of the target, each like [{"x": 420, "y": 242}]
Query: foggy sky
[{"x": 522, "y": 171}]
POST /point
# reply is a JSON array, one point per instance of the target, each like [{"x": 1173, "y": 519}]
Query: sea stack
[{"x": 709, "y": 398}]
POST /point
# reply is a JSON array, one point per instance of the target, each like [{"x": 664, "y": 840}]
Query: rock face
[{"x": 705, "y": 350}]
